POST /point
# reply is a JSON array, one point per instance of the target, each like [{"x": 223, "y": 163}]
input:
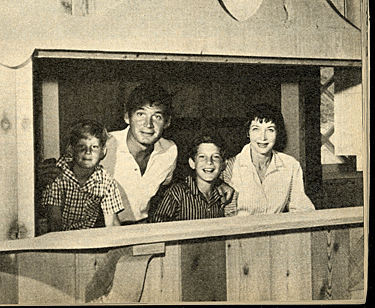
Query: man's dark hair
[
  {"x": 152, "y": 94},
  {"x": 81, "y": 129},
  {"x": 207, "y": 137},
  {"x": 269, "y": 113}
]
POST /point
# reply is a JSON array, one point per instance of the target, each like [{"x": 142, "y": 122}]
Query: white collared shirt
[
  {"x": 282, "y": 187},
  {"x": 137, "y": 189}
]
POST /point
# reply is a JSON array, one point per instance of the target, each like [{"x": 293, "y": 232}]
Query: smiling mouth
[
  {"x": 147, "y": 133},
  {"x": 262, "y": 145},
  {"x": 210, "y": 170}
]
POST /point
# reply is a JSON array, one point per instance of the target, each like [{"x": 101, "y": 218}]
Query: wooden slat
[
  {"x": 25, "y": 149},
  {"x": 146, "y": 56},
  {"x": 203, "y": 271},
  {"x": 293, "y": 111},
  {"x": 86, "y": 265},
  {"x": 8, "y": 279},
  {"x": 248, "y": 269},
  {"x": 182, "y": 230},
  {"x": 46, "y": 278},
  {"x": 8, "y": 154},
  {"x": 331, "y": 255},
  {"x": 291, "y": 267}
]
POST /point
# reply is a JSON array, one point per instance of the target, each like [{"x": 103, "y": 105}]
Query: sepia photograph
[{"x": 184, "y": 152}]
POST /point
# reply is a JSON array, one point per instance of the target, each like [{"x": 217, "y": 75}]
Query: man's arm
[
  {"x": 226, "y": 192},
  {"x": 55, "y": 218},
  {"x": 166, "y": 209},
  {"x": 111, "y": 220},
  {"x": 224, "y": 187},
  {"x": 46, "y": 173}
]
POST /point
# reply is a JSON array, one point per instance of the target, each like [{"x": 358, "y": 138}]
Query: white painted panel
[
  {"x": 8, "y": 153},
  {"x": 25, "y": 149},
  {"x": 51, "y": 128}
]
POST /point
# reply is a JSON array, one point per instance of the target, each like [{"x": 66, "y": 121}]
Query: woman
[{"x": 266, "y": 180}]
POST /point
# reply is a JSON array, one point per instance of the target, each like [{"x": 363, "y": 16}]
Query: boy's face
[
  {"x": 207, "y": 163},
  {"x": 87, "y": 152},
  {"x": 147, "y": 124}
]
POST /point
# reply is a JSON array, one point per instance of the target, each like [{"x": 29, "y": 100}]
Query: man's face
[
  {"x": 147, "y": 124},
  {"x": 87, "y": 152}
]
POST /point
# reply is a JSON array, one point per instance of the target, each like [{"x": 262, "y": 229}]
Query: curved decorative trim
[
  {"x": 239, "y": 10},
  {"x": 341, "y": 15}
]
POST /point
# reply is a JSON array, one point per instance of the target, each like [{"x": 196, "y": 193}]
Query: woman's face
[{"x": 262, "y": 136}]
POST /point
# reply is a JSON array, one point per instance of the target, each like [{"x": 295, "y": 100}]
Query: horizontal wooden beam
[
  {"x": 143, "y": 56},
  {"x": 184, "y": 230}
]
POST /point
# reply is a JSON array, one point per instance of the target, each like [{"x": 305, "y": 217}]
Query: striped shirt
[
  {"x": 281, "y": 190},
  {"x": 80, "y": 205},
  {"x": 184, "y": 201}
]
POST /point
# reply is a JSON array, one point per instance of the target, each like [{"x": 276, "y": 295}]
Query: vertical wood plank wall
[
  {"x": 269, "y": 268},
  {"x": 8, "y": 152},
  {"x": 25, "y": 150},
  {"x": 284, "y": 267},
  {"x": 16, "y": 153}
]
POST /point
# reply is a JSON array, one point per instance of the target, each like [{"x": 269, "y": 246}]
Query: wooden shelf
[
  {"x": 185, "y": 230},
  {"x": 174, "y": 57}
]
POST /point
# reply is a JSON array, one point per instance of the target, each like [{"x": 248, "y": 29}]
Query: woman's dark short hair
[
  {"x": 269, "y": 113},
  {"x": 81, "y": 129},
  {"x": 152, "y": 94},
  {"x": 206, "y": 137}
]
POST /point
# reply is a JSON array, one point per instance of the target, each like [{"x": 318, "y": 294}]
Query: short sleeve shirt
[{"x": 80, "y": 205}]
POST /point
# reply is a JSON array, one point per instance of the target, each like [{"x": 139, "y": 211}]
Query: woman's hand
[{"x": 226, "y": 192}]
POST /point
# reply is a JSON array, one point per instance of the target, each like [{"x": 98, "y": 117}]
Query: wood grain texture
[
  {"x": 8, "y": 279},
  {"x": 183, "y": 230},
  {"x": 46, "y": 278},
  {"x": 203, "y": 272},
  {"x": 291, "y": 267},
  {"x": 163, "y": 279},
  {"x": 145, "y": 56},
  {"x": 248, "y": 269}
]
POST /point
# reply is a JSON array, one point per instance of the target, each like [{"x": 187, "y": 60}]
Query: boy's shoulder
[
  {"x": 103, "y": 174},
  {"x": 186, "y": 186}
]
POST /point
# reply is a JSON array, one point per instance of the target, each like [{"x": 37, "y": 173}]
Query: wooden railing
[{"x": 281, "y": 257}]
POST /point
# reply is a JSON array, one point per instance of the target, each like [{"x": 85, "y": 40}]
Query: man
[{"x": 138, "y": 157}]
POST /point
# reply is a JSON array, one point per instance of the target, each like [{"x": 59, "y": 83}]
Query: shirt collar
[
  {"x": 64, "y": 163},
  {"x": 191, "y": 183},
  {"x": 245, "y": 159}
]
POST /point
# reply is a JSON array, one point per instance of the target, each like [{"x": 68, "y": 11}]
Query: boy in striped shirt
[
  {"x": 84, "y": 192},
  {"x": 197, "y": 197}
]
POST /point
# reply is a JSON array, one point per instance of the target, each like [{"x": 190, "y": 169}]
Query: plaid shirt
[
  {"x": 81, "y": 205},
  {"x": 184, "y": 201}
]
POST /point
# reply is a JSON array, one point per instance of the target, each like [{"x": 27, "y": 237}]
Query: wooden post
[
  {"x": 310, "y": 91},
  {"x": 51, "y": 127},
  {"x": 25, "y": 150},
  {"x": 293, "y": 112}
]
